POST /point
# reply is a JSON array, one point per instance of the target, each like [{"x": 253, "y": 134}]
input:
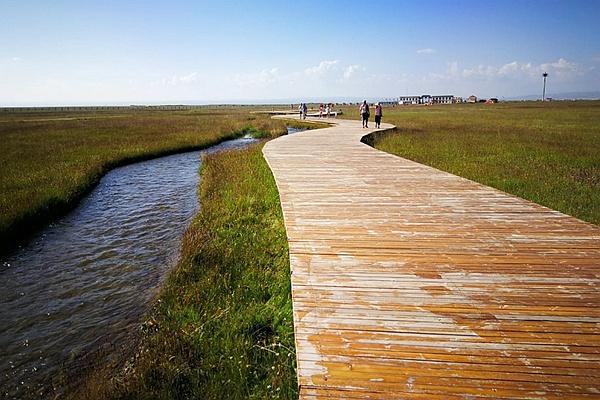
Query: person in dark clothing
[{"x": 378, "y": 115}]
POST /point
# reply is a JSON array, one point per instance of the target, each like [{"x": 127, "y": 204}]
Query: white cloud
[
  {"x": 452, "y": 72},
  {"x": 560, "y": 68},
  {"x": 504, "y": 79},
  {"x": 511, "y": 68},
  {"x": 351, "y": 70},
  {"x": 426, "y": 51},
  {"x": 322, "y": 68},
  {"x": 261, "y": 79},
  {"x": 176, "y": 80},
  {"x": 269, "y": 75},
  {"x": 453, "y": 68},
  {"x": 480, "y": 71},
  {"x": 193, "y": 77},
  {"x": 327, "y": 78},
  {"x": 16, "y": 59}
]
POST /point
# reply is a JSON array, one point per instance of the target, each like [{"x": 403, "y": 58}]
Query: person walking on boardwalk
[
  {"x": 304, "y": 110},
  {"x": 301, "y": 109},
  {"x": 364, "y": 114},
  {"x": 378, "y": 115},
  {"x": 321, "y": 111}
]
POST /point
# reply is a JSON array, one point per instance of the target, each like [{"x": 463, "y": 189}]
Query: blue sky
[{"x": 121, "y": 52}]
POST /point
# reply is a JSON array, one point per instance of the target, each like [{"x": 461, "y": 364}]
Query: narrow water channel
[
  {"x": 85, "y": 281},
  {"x": 294, "y": 130}
]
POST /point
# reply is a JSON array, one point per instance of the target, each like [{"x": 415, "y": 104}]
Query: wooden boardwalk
[{"x": 412, "y": 283}]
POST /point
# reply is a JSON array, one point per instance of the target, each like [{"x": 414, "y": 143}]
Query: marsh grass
[
  {"x": 548, "y": 153},
  {"x": 50, "y": 160},
  {"x": 294, "y": 123},
  {"x": 222, "y": 327}
]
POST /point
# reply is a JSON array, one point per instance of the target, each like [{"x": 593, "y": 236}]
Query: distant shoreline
[{"x": 591, "y": 96}]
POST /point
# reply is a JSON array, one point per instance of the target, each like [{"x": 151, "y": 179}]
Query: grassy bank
[
  {"x": 50, "y": 160},
  {"x": 548, "y": 153},
  {"x": 222, "y": 327}
]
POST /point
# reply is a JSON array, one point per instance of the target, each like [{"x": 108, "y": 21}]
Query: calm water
[
  {"x": 295, "y": 130},
  {"x": 85, "y": 281}
]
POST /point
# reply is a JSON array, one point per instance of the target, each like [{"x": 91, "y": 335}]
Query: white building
[
  {"x": 409, "y": 100},
  {"x": 442, "y": 99},
  {"x": 427, "y": 99}
]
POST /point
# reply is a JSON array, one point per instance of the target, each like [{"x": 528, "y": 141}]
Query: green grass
[
  {"x": 548, "y": 153},
  {"x": 50, "y": 160},
  {"x": 222, "y": 324},
  {"x": 294, "y": 123},
  {"x": 222, "y": 327}
]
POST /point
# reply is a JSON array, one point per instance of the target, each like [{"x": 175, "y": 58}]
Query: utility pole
[{"x": 545, "y": 75}]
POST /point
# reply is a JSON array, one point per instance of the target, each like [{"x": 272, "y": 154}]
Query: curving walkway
[{"x": 412, "y": 283}]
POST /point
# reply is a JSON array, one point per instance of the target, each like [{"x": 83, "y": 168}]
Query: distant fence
[{"x": 100, "y": 108}]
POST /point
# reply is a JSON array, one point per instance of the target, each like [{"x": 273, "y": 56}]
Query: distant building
[
  {"x": 458, "y": 99},
  {"x": 409, "y": 100},
  {"x": 443, "y": 99},
  {"x": 389, "y": 102},
  {"x": 427, "y": 99},
  {"x": 472, "y": 99}
]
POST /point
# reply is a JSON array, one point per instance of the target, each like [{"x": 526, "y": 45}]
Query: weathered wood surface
[{"x": 412, "y": 283}]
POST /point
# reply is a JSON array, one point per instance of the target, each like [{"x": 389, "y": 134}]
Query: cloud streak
[
  {"x": 560, "y": 68},
  {"x": 322, "y": 68},
  {"x": 176, "y": 80},
  {"x": 351, "y": 71},
  {"x": 263, "y": 78}
]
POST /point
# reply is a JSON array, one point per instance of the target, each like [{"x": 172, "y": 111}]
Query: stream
[{"x": 83, "y": 283}]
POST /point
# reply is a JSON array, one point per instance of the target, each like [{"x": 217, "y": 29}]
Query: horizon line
[{"x": 591, "y": 95}]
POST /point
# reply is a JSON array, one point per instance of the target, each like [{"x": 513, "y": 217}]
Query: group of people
[
  {"x": 365, "y": 114},
  {"x": 325, "y": 110},
  {"x": 303, "y": 110}
]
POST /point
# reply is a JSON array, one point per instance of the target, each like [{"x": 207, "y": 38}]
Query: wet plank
[{"x": 412, "y": 283}]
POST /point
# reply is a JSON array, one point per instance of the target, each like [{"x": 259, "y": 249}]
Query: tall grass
[
  {"x": 548, "y": 153},
  {"x": 48, "y": 161},
  {"x": 222, "y": 327}
]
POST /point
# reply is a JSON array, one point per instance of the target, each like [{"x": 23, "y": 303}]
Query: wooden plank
[{"x": 412, "y": 283}]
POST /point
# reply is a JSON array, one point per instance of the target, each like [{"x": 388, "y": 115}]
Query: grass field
[
  {"x": 222, "y": 327},
  {"x": 548, "y": 153},
  {"x": 49, "y": 160}
]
